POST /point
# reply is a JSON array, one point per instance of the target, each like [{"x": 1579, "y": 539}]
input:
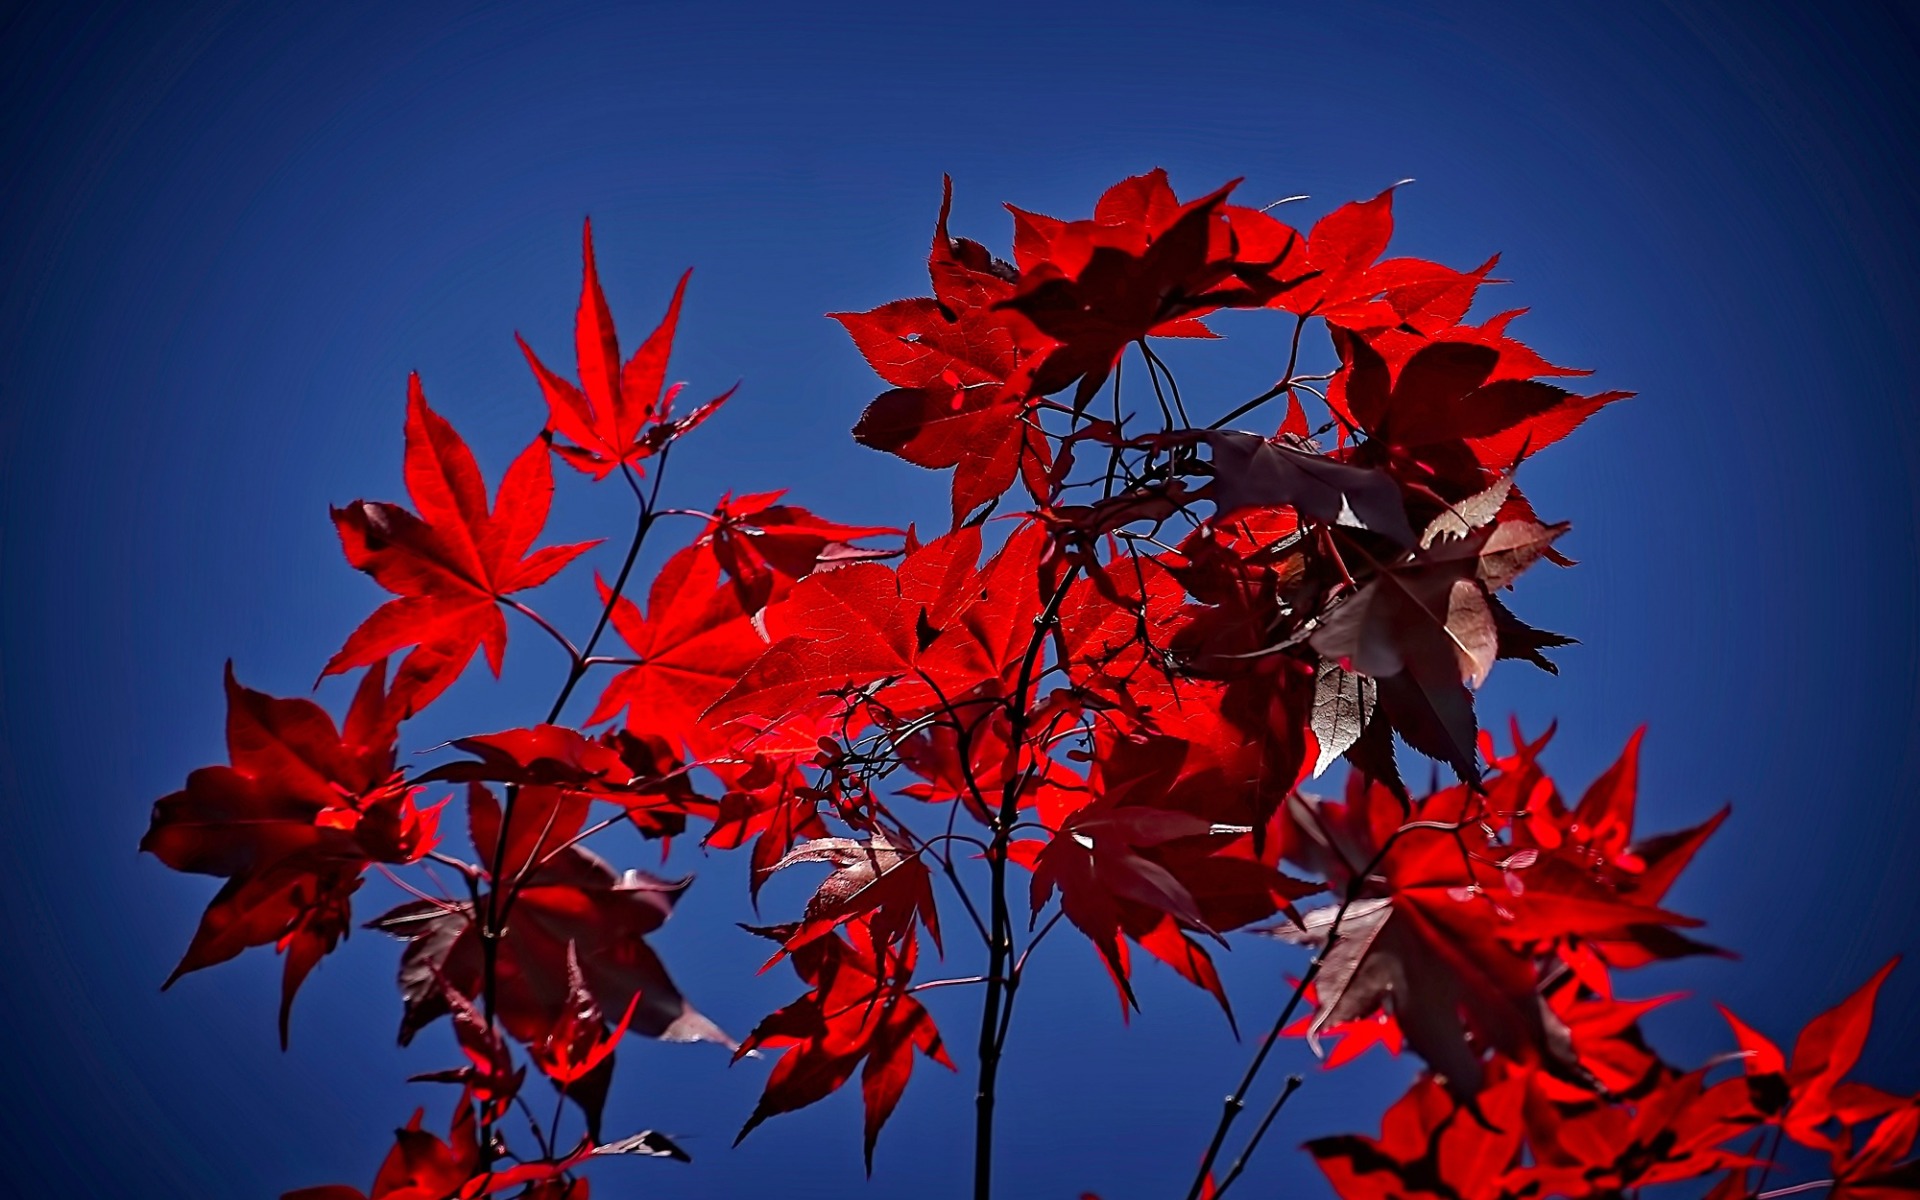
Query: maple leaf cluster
[
  {"x": 1483, "y": 931},
  {"x": 543, "y": 944},
  {"x": 1092, "y": 701}
]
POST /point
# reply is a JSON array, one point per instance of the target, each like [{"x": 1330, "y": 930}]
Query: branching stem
[
  {"x": 499, "y": 899},
  {"x": 996, "y": 1010},
  {"x": 1234, "y": 1104}
]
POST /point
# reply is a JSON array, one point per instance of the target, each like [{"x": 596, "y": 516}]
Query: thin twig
[
  {"x": 533, "y": 1124},
  {"x": 1172, "y": 383},
  {"x": 1287, "y": 381},
  {"x": 940, "y": 983},
  {"x": 1253, "y": 1143},
  {"x": 1233, "y": 1104},
  {"x": 1153, "y": 377},
  {"x": 1034, "y": 942}
]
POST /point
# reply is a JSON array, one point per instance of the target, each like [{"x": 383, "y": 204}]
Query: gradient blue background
[{"x": 230, "y": 230}]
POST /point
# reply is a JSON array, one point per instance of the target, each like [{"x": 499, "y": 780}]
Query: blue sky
[{"x": 230, "y": 230}]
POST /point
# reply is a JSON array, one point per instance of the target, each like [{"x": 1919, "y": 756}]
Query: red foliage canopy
[{"x": 1124, "y": 689}]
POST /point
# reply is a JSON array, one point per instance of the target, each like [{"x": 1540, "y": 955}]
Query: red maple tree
[{"x": 1097, "y": 700}]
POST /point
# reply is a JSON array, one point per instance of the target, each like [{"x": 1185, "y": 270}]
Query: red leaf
[
  {"x": 568, "y": 903},
  {"x": 618, "y": 415},
  {"x": 1877, "y": 1171},
  {"x": 694, "y": 643},
  {"x": 937, "y": 626},
  {"x": 1142, "y": 266},
  {"x": 857, "y": 1009},
  {"x": 451, "y": 564},
  {"x": 756, "y": 540},
  {"x": 290, "y": 825},
  {"x": 1153, "y": 874},
  {"x": 1462, "y": 388},
  {"x": 989, "y": 441},
  {"x": 1429, "y": 1148},
  {"x": 1423, "y": 935},
  {"x": 423, "y": 1167},
  {"x": 872, "y": 879},
  {"x": 839, "y": 630},
  {"x": 419, "y": 1166},
  {"x": 1424, "y": 630},
  {"x": 959, "y": 365},
  {"x": 1808, "y": 1086}
]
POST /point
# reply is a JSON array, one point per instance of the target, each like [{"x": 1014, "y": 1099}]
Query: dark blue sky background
[{"x": 230, "y": 230}]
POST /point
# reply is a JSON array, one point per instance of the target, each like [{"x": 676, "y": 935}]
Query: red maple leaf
[
  {"x": 960, "y": 367},
  {"x": 1421, "y": 933},
  {"x": 1589, "y": 865},
  {"x": 1336, "y": 273},
  {"x": 1430, "y": 1148},
  {"x": 421, "y": 1166},
  {"x": 452, "y": 564},
  {"x": 1340, "y": 250},
  {"x": 875, "y": 880},
  {"x": 1456, "y": 403},
  {"x": 939, "y": 627},
  {"x": 566, "y": 903},
  {"x": 693, "y": 644},
  {"x": 1154, "y": 875},
  {"x": 757, "y": 540},
  {"x": 1424, "y": 629},
  {"x": 836, "y": 632},
  {"x": 1144, "y": 265},
  {"x": 618, "y": 415},
  {"x": 857, "y": 1010},
  {"x": 1880, "y": 1169},
  {"x": 1448, "y": 924},
  {"x": 290, "y": 824},
  {"x": 1452, "y": 391},
  {"x": 1095, "y": 863},
  {"x": 639, "y": 772},
  {"x": 1807, "y": 1092},
  {"x": 1677, "y": 1131}
]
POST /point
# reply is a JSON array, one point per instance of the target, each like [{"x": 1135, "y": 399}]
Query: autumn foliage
[{"x": 1095, "y": 701}]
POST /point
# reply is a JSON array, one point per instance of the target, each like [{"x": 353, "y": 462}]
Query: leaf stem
[
  {"x": 1166, "y": 414},
  {"x": 533, "y": 1125},
  {"x": 1154, "y": 360},
  {"x": 940, "y": 983},
  {"x": 1279, "y": 389},
  {"x": 963, "y": 749},
  {"x": 649, "y": 513},
  {"x": 573, "y": 653}
]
